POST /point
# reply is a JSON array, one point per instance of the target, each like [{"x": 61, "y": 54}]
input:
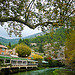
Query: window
[
  {"x": 7, "y": 61},
  {"x": 2, "y": 53},
  {"x": 3, "y": 49}
]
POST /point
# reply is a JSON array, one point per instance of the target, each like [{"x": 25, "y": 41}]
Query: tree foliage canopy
[
  {"x": 34, "y": 13},
  {"x": 23, "y": 50},
  {"x": 70, "y": 49},
  {"x": 36, "y": 56}
]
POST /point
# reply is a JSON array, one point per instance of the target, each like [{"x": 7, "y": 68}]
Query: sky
[{"x": 26, "y": 32}]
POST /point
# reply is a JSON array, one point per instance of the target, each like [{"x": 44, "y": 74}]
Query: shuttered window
[{"x": 3, "y": 49}]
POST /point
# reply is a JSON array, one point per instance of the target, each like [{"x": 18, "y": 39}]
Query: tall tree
[
  {"x": 70, "y": 49},
  {"x": 0, "y": 43},
  {"x": 9, "y": 44},
  {"x": 34, "y": 13},
  {"x": 20, "y": 41},
  {"x": 26, "y": 41}
]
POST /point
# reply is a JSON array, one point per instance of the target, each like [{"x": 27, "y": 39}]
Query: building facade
[{"x": 3, "y": 50}]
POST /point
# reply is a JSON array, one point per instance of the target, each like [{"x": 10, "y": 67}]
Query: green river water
[{"x": 49, "y": 71}]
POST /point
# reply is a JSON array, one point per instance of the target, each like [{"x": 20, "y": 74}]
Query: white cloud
[{"x": 26, "y": 32}]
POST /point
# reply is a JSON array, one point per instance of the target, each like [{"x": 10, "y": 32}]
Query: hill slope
[{"x": 14, "y": 41}]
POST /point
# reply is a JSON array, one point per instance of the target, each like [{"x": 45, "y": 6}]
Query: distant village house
[
  {"x": 33, "y": 44},
  {"x": 3, "y": 50}
]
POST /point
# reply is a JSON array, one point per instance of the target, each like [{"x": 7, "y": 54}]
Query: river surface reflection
[{"x": 50, "y": 71}]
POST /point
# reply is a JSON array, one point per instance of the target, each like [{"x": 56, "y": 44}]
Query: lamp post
[
  {"x": 26, "y": 55},
  {"x": 26, "y": 61}
]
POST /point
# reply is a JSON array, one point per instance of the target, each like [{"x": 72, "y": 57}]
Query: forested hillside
[
  {"x": 58, "y": 36},
  {"x": 6, "y": 41},
  {"x": 56, "y": 40},
  {"x": 15, "y": 41}
]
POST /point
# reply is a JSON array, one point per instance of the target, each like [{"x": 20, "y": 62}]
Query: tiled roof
[{"x": 1, "y": 46}]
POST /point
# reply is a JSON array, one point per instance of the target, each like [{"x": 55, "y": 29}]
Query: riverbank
[
  {"x": 7, "y": 71},
  {"x": 47, "y": 71}
]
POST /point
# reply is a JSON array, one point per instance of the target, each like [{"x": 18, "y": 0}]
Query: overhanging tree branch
[
  {"x": 15, "y": 19},
  {"x": 25, "y": 23}
]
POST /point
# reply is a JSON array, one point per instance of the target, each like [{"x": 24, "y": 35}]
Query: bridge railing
[{"x": 18, "y": 61}]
